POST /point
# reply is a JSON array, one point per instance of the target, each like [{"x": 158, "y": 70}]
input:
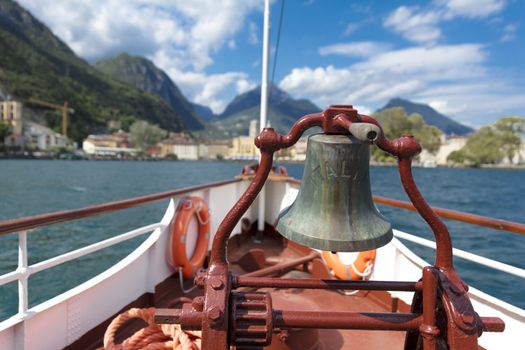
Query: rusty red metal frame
[{"x": 228, "y": 317}]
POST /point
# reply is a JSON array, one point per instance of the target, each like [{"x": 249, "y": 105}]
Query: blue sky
[{"x": 463, "y": 57}]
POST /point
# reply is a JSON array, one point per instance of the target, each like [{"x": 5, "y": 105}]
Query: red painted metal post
[
  {"x": 428, "y": 329},
  {"x": 444, "y": 255}
]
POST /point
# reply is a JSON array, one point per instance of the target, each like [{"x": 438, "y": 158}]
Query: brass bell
[{"x": 334, "y": 208}]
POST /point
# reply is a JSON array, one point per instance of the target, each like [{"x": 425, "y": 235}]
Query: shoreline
[{"x": 372, "y": 163}]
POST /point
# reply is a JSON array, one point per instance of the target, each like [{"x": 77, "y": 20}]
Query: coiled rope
[{"x": 152, "y": 337}]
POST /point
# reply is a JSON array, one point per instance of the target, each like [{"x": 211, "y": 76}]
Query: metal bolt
[
  {"x": 283, "y": 335},
  {"x": 214, "y": 313},
  {"x": 198, "y": 304},
  {"x": 216, "y": 283}
]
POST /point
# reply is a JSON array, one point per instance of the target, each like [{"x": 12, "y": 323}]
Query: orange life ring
[
  {"x": 187, "y": 208},
  {"x": 359, "y": 269}
]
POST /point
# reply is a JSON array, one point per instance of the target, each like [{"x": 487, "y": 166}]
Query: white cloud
[
  {"x": 354, "y": 49},
  {"x": 473, "y": 8},
  {"x": 354, "y": 26},
  {"x": 187, "y": 31},
  {"x": 429, "y": 63},
  {"x": 363, "y": 109},
  {"x": 415, "y": 25},
  {"x": 244, "y": 85},
  {"x": 444, "y": 107},
  {"x": 421, "y": 25},
  {"x": 351, "y": 27},
  {"x": 253, "y": 33},
  {"x": 209, "y": 89},
  {"x": 179, "y": 36},
  {"x": 509, "y": 32},
  {"x": 453, "y": 78},
  {"x": 475, "y": 103}
]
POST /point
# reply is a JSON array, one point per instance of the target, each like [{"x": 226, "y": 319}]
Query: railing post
[{"x": 22, "y": 268}]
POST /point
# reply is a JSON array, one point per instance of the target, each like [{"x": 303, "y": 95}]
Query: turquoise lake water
[{"x": 34, "y": 187}]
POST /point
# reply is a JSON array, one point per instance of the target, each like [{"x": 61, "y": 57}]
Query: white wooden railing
[
  {"x": 516, "y": 271},
  {"x": 24, "y": 270}
]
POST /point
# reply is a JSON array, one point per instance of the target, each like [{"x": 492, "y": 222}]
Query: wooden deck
[{"x": 168, "y": 294}]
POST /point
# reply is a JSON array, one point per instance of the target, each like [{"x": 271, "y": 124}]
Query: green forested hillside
[
  {"x": 144, "y": 75},
  {"x": 35, "y": 63}
]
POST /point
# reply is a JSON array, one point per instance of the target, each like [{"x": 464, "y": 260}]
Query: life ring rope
[
  {"x": 181, "y": 282},
  {"x": 359, "y": 269},
  {"x": 366, "y": 273},
  {"x": 188, "y": 203}
]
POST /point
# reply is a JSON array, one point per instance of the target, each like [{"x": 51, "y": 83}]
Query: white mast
[{"x": 264, "y": 101}]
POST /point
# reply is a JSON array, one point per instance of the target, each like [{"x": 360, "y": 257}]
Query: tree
[
  {"x": 428, "y": 136},
  {"x": 510, "y": 130},
  {"x": 493, "y": 143},
  {"x": 396, "y": 123},
  {"x": 142, "y": 134},
  {"x": 483, "y": 147},
  {"x": 4, "y": 131},
  {"x": 458, "y": 157}
]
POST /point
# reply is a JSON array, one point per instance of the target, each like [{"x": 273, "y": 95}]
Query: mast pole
[{"x": 264, "y": 102}]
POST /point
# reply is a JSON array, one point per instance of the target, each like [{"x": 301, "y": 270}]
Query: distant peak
[
  {"x": 123, "y": 54},
  {"x": 126, "y": 57},
  {"x": 430, "y": 115}
]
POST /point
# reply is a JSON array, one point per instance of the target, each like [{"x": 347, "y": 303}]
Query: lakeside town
[{"x": 27, "y": 139}]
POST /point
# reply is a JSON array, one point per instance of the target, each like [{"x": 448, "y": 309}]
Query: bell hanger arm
[
  {"x": 268, "y": 142},
  {"x": 405, "y": 148}
]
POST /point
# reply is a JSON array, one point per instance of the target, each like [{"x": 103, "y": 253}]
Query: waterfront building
[
  {"x": 181, "y": 147},
  {"x": 519, "y": 156},
  {"x": 11, "y": 113},
  {"x": 243, "y": 147},
  {"x": 109, "y": 146},
  {"x": 299, "y": 150},
  {"x": 42, "y": 138},
  {"x": 217, "y": 149},
  {"x": 449, "y": 144},
  {"x": 214, "y": 149}
]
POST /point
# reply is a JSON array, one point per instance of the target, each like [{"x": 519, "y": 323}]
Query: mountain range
[
  {"x": 284, "y": 111},
  {"x": 36, "y": 63}
]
